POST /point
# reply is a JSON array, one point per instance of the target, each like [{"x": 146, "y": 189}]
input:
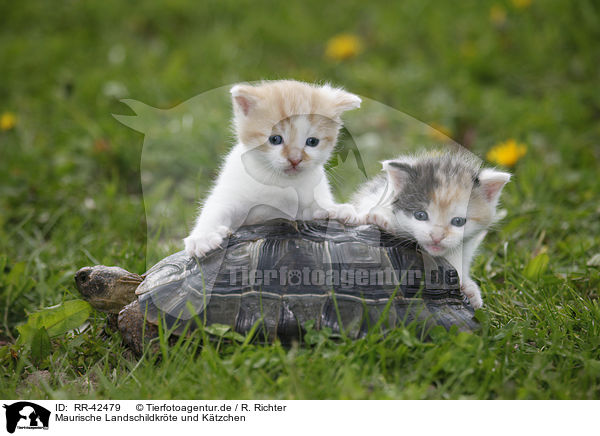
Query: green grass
[{"x": 71, "y": 190}]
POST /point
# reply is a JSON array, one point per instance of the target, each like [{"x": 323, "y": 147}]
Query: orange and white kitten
[
  {"x": 286, "y": 132},
  {"x": 443, "y": 200}
]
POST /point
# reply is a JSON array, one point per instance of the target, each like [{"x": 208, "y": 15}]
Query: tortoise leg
[
  {"x": 112, "y": 322},
  {"x": 134, "y": 329}
]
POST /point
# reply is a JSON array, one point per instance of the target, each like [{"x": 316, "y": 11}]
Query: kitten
[
  {"x": 286, "y": 132},
  {"x": 444, "y": 201}
]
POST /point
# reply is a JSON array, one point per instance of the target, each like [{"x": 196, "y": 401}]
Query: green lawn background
[{"x": 70, "y": 189}]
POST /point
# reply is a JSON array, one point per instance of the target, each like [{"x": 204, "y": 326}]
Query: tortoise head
[{"x": 107, "y": 288}]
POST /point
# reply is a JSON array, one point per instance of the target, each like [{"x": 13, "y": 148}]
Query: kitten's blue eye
[
  {"x": 421, "y": 216},
  {"x": 312, "y": 142},
  {"x": 458, "y": 221},
  {"x": 275, "y": 139}
]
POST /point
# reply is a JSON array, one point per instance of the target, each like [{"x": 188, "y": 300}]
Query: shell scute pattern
[{"x": 221, "y": 291}]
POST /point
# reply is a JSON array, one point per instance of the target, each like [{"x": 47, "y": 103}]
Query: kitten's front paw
[
  {"x": 344, "y": 213},
  {"x": 473, "y": 293},
  {"x": 376, "y": 218},
  {"x": 200, "y": 244},
  {"x": 320, "y": 214}
]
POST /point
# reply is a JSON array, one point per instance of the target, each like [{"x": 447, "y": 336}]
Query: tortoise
[{"x": 274, "y": 278}]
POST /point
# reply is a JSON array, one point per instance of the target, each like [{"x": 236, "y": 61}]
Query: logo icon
[{"x": 26, "y": 415}]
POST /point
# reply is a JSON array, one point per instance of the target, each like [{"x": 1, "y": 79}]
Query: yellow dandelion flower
[
  {"x": 8, "y": 121},
  {"x": 497, "y": 15},
  {"x": 343, "y": 46},
  {"x": 521, "y": 4},
  {"x": 506, "y": 153},
  {"x": 439, "y": 132}
]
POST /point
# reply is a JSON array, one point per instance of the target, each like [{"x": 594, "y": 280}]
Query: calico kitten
[
  {"x": 442, "y": 200},
  {"x": 286, "y": 132}
]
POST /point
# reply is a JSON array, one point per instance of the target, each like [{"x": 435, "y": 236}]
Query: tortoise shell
[{"x": 275, "y": 277}]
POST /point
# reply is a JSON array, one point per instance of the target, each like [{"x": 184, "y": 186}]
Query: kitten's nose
[
  {"x": 437, "y": 237},
  {"x": 294, "y": 162}
]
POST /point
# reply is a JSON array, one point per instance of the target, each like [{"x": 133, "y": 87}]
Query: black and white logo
[{"x": 26, "y": 415}]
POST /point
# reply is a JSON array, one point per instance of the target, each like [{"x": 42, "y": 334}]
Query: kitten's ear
[
  {"x": 244, "y": 98},
  {"x": 344, "y": 101},
  {"x": 492, "y": 182},
  {"x": 398, "y": 173}
]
